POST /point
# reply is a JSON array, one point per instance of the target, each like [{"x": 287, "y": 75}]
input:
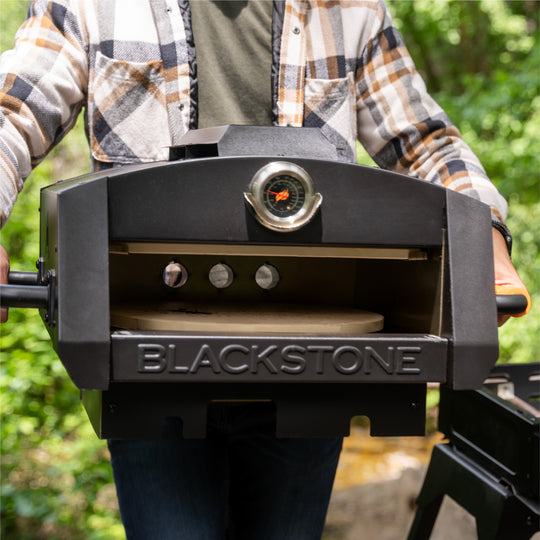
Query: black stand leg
[{"x": 499, "y": 513}]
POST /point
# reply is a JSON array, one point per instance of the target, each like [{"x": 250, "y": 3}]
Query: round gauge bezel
[{"x": 256, "y": 196}]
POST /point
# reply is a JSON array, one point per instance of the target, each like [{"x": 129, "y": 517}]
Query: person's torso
[
  {"x": 233, "y": 44},
  {"x": 143, "y": 86}
]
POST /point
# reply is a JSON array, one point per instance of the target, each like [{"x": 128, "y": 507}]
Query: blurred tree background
[{"x": 481, "y": 61}]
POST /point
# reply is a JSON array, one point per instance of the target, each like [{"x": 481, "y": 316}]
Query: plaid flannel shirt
[{"x": 338, "y": 65}]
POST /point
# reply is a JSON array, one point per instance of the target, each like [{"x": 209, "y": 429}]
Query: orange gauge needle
[{"x": 281, "y": 196}]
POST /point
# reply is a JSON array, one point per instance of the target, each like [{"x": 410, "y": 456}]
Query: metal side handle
[
  {"x": 29, "y": 290},
  {"x": 24, "y": 296},
  {"x": 511, "y": 304}
]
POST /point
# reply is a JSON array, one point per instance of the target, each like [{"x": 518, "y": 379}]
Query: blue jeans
[{"x": 241, "y": 482}]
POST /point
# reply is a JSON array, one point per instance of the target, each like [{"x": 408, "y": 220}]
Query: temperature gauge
[{"x": 283, "y": 197}]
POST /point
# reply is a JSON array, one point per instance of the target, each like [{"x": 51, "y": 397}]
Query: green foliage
[
  {"x": 500, "y": 119},
  {"x": 480, "y": 60},
  {"x": 449, "y": 39},
  {"x": 13, "y": 13}
]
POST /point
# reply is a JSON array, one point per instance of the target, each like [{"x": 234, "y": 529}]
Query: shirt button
[
  {"x": 181, "y": 106},
  {"x": 296, "y": 30}
]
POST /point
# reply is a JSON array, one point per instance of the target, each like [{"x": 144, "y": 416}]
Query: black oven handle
[
  {"x": 511, "y": 304},
  {"x": 29, "y": 290}
]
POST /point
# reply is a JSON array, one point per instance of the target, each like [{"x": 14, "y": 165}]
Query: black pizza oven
[{"x": 255, "y": 266}]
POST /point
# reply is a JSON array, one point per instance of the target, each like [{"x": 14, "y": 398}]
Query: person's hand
[
  {"x": 506, "y": 276},
  {"x": 4, "y": 271}
]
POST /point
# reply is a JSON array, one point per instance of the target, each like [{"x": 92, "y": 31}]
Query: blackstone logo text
[{"x": 238, "y": 359}]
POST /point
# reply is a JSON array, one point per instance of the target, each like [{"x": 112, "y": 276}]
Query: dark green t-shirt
[{"x": 233, "y": 47}]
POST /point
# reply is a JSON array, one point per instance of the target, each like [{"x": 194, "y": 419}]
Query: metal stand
[
  {"x": 490, "y": 466},
  {"x": 500, "y": 513}
]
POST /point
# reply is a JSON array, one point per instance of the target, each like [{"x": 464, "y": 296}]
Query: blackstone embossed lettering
[{"x": 237, "y": 359}]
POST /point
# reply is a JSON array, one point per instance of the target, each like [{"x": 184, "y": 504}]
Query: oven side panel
[{"x": 75, "y": 244}]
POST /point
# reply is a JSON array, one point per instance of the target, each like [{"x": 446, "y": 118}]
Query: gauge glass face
[{"x": 284, "y": 196}]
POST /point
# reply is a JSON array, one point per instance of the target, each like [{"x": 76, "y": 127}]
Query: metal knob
[
  {"x": 267, "y": 277},
  {"x": 221, "y": 276},
  {"x": 175, "y": 275}
]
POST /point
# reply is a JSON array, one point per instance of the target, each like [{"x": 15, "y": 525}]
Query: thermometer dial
[{"x": 283, "y": 196}]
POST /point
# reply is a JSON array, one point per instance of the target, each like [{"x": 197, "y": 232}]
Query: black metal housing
[{"x": 438, "y": 303}]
